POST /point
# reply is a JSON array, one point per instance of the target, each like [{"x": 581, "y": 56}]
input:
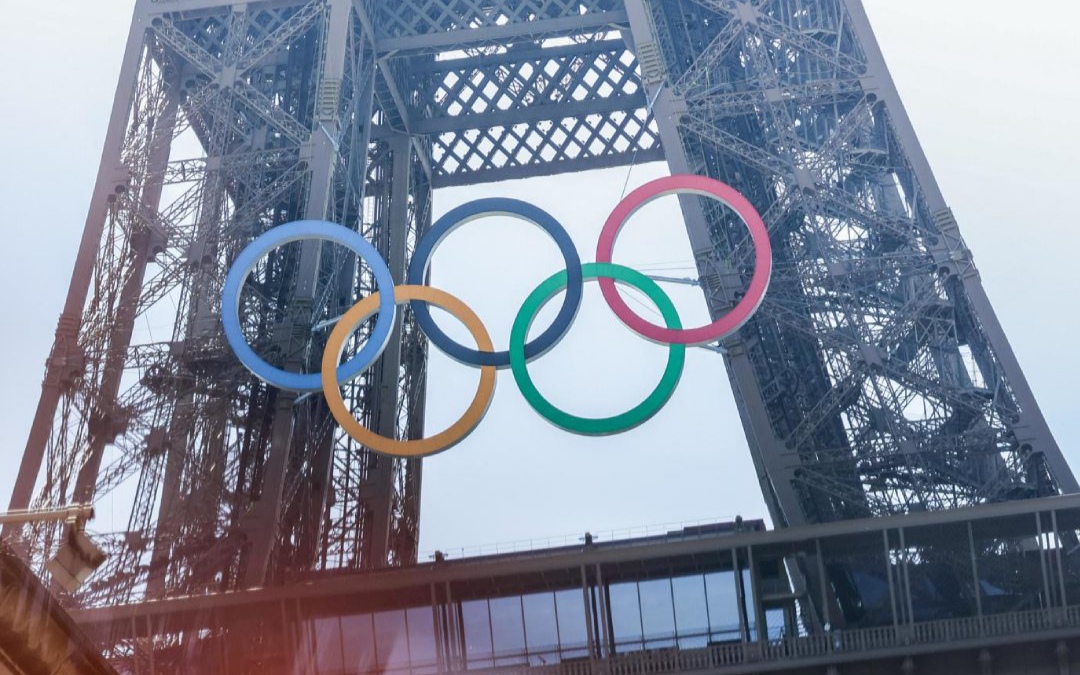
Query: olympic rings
[
  {"x": 606, "y": 426},
  {"x": 472, "y": 211},
  {"x": 705, "y": 187},
  {"x": 440, "y": 441},
  {"x": 384, "y": 302},
  {"x": 279, "y": 236}
]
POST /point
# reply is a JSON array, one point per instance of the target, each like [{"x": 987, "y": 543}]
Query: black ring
[{"x": 492, "y": 207}]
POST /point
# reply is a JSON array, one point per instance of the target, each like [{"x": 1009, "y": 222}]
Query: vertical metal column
[
  {"x": 65, "y": 352},
  {"x": 263, "y": 526},
  {"x": 767, "y": 451},
  {"x": 378, "y": 488}
]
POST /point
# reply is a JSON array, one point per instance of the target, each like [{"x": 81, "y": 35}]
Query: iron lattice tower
[{"x": 875, "y": 380}]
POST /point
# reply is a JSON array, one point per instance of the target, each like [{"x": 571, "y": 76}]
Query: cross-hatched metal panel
[{"x": 536, "y": 109}]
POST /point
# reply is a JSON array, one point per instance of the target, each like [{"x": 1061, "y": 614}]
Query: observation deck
[{"x": 936, "y": 592}]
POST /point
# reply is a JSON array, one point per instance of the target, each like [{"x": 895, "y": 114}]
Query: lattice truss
[
  {"x": 514, "y": 89},
  {"x": 884, "y": 392},
  {"x": 154, "y": 412},
  {"x": 153, "y": 409},
  {"x": 874, "y": 363}
]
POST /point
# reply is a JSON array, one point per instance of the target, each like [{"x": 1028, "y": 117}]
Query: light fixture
[{"x": 78, "y": 556}]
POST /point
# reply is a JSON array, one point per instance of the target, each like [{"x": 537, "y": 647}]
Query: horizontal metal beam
[
  {"x": 151, "y": 8},
  {"x": 544, "y": 112},
  {"x": 509, "y": 33},
  {"x": 637, "y": 552},
  {"x": 547, "y": 168},
  {"x": 520, "y": 53}
]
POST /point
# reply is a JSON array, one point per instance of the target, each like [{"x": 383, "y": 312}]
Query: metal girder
[
  {"x": 551, "y": 168},
  {"x": 229, "y": 482},
  {"x": 488, "y": 36},
  {"x": 501, "y": 105},
  {"x": 459, "y": 124},
  {"x": 425, "y": 26},
  {"x": 527, "y": 150},
  {"x": 273, "y": 42},
  {"x": 524, "y": 86},
  {"x": 194, "y": 8},
  {"x": 849, "y": 362},
  {"x": 650, "y": 556}
]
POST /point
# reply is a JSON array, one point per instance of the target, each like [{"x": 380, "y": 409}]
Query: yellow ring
[{"x": 417, "y": 448}]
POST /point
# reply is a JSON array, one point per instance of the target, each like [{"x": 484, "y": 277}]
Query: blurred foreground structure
[
  {"x": 876, "y": 387},
  {"x": 37, "y": 636}
]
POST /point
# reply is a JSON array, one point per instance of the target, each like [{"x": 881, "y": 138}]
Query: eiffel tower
[{"x": 874, "y": 381}]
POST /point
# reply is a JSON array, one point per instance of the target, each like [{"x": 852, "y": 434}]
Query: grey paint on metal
[
  {"x": 875, "y": 379},
  {"x": 65, "y": 360},
  {"x": 280, "y": 98}
]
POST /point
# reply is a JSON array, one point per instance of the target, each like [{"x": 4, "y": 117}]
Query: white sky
[{"x": 992, "y": 92}]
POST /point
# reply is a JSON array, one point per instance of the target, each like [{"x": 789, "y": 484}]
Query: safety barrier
[{"x": 864, "y": 642}]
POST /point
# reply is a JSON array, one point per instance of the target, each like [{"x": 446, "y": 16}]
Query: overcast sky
[{"x": 992, "y": 92}]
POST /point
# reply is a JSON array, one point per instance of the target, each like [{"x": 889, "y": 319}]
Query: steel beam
[
  {"x": 64, "y": 355},
  {"x": 653, "y": 554},
  {"x": 570, "y": 165},
  {"x": 521, "y": 31},
  {"x": 264, "y": 523},
  {"x": 1033, "y": 431}
]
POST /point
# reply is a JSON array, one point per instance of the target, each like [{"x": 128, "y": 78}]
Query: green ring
[{"x": 588, "y": 426}]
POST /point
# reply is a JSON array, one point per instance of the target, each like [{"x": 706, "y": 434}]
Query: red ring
[{"x": 705, "y": 187}]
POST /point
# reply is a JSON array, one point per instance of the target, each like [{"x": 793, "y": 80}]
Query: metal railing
[
  {"x": 541, "y": 543},
  {"x": 864, "y": 642}
]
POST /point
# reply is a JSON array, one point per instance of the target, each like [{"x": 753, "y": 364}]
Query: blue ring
[
  {"x": 496, "y": 206},
  {"x": 279, "y": 236}
]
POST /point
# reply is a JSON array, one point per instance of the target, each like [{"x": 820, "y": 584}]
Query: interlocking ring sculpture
[{"x": 522, "y": 350}]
